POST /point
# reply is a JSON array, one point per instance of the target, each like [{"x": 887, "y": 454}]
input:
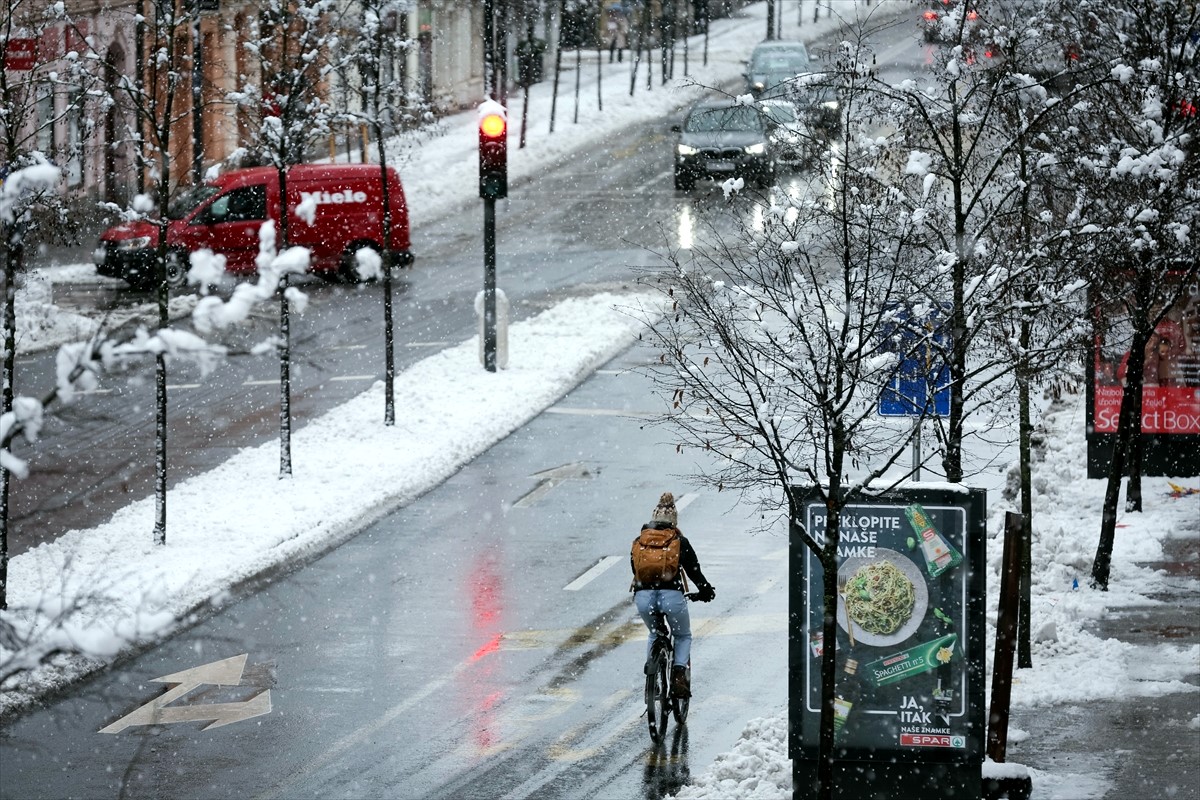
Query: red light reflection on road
[{"x": 482, "y": 692}]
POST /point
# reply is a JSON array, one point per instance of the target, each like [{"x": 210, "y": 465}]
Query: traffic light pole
[
  {"x": 489, "y": 284},
  {"x": 493, "y": 184}
]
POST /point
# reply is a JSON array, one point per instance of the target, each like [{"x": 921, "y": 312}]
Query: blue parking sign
[{"x": 921, "y": 383}]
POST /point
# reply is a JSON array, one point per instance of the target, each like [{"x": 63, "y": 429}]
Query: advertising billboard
[
  {"x": 910, "y": 632},
  {"x": 1170, "y": 386}
]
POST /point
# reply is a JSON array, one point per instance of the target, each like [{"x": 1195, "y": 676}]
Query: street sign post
[{"x": 920, "y": 386}]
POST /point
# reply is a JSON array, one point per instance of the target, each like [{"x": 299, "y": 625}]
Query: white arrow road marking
[
  {"x": 551, "y": 478},
  {"x": 227, "y": 672}
]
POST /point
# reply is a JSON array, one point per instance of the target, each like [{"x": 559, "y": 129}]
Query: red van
[{"x": 225, "y": 214}]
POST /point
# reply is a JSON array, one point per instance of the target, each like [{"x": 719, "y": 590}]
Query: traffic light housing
[{"x": 493, "y": 151}]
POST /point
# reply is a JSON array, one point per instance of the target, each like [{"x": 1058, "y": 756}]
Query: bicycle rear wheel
[{"x": 658, "y": 704}]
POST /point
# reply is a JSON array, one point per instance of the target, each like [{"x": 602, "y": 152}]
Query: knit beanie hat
[{"x": 665, "y": 510}]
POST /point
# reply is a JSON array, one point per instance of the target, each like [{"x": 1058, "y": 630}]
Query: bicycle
[{"x": 661, "y": 703}]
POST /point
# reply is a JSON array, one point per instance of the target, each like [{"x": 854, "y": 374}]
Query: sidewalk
[{"x": 1125, "y": 747}]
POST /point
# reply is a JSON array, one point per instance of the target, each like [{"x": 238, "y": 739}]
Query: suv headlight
[
  {"x": 757, "y": 149},
  {"x": 832, "y": 105},
  {"x": 687, "y": 150},
  {"x": 136, "y": 243}
]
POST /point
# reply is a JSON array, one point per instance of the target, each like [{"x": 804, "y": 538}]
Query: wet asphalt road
[{"x": 438, "y": 654}]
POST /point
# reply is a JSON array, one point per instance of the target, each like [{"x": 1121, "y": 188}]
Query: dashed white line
[
  {"x": 268, "y": 382},
  {"x": 591, "y": 574},
  {"x": 600, "y": 412},
  {"x": 353, "y": 378},
  {"x": 183, "y": 386}
]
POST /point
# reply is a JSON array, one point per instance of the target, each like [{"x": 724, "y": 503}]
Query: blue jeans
[{"x": 672, "y": 603}]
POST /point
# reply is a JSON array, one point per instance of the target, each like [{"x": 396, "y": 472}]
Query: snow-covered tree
[
  {"x": 39, "y": 91},
  {"x": 288, "y": 114},
  {"x": 1139, "y": 175},
  {"x": 367, "y": 53}
]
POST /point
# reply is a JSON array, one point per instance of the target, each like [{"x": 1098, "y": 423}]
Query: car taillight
[
  {"x": 972, "y": 15},
  {"x": 930, "y": 15}
]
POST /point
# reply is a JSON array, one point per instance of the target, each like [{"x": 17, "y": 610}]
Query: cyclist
[{"x": 663, "y": 591}]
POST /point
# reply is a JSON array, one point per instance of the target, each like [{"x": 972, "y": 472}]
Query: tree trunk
[
  {"x": 164, "y": 321},
  {"x": 389, "y": 336},
  {"x": 1133, "y": 489},
  {"x": 13, "y": 253},
  {"x": 285, "y": 349},
  {"x": 1024, "y": 655},
  {"x": 1128, "y": 426},
  {"x": 829, "y": 591}
]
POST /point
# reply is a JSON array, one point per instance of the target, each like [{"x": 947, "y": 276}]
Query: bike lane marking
[
  {"x": 595, "y": 572},
  {"x": 357, "y": 736}
]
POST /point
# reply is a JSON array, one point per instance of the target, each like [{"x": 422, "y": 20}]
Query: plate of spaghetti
[{"x": 881, "y": 600}]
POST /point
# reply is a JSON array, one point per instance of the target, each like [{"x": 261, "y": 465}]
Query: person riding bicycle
[{"x": 660, "y": 556}]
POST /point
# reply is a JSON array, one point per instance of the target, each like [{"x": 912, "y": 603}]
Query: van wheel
[{"x": 348, "y": 271}]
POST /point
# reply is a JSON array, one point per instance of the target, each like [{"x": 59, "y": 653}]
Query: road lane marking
[
  {"x": 430, "y": 344},
  {"x": 227, "y": 672},
  {"x": 550, "y": 478},
  {"x": 353, "y": 378},
  {"x": 268, "y": 382},
  {"x": 183, "y": 386},
  {"x": 96, "y": 391},
  {"x": 686, "y": 500},
  {"x": 595, "y": 572},
  {"x": 366, "y": 732},
  {"x": 635, "y": 630},
  {"x": 575, "y": 746},
  {"x": 600, "y": 412}
]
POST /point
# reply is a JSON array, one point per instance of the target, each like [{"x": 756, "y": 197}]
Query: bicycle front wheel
[{"x": 658, "y": 704}]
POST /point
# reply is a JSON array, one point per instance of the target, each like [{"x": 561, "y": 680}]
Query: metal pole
[
  {"x": 489, "y": 284},
  {"x": 917, "y": 451},
  {"x": 489, "y": 50}
]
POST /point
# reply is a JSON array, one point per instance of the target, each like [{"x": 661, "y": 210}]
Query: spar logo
[
  {"x": 932, "y": 740},
  {"x": 334, "y": 198}
]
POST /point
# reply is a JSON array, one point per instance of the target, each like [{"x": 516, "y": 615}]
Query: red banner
[{"x": 20, "y": 54}]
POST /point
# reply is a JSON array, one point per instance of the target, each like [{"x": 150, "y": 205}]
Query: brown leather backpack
[{"x": 655, "y": 555}]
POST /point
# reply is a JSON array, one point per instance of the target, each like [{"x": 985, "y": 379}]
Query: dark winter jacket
[{"x": 688, "y": 562}]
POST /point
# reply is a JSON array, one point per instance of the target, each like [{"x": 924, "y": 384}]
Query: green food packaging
[
  {"x": 913, "y": 661},
  {"x": 939, "y": 554}
]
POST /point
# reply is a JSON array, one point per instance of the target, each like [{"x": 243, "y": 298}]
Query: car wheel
[
  {"x": 684, "y": 183},
  {"x": 348, "y": 271},
  {"x": 177, "y": 268}
]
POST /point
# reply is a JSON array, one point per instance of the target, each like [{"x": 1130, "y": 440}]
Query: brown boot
[{"x": 680, "y": 683}]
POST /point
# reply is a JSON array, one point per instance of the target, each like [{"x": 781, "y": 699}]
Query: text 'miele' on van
[{"x": 225, "y": 214}]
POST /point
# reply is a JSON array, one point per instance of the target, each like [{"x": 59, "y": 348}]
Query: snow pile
[
  {"x": 102, "y": 589},
  {"x": 757, "y": 768},
  {"x": 39, "y": 321}
]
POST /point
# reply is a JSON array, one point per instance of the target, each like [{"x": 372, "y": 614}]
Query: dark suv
[
  {"x": 722, "y": 138},
  {"x": 772, "y": 65}
]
